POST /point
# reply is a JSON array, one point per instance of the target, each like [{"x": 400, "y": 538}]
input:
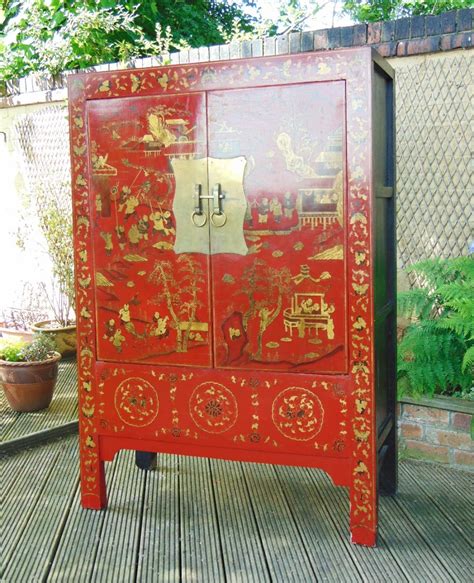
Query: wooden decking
[
  {"x": 199, "y": 520},
  {"x": 211, "y": 521}
]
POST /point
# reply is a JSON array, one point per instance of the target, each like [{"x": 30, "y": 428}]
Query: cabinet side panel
[
  {"x": 363, "y": 495},
  {"x": 385, "y": 275}
]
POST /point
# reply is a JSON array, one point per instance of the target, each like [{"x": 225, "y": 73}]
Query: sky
[{"x": 331, "y": 12}]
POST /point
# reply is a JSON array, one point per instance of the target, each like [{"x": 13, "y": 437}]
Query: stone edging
[{"x": 39, "y": 438}]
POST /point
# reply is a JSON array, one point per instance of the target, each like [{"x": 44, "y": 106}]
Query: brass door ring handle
[
  {"x": 197, "y": 223},
  {"x": 221, "y": 222}
]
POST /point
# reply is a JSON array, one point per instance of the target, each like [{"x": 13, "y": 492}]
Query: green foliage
[
  {"x": 436, "y": 353},
  {"x": 11, "y": 351},
  {"x": 40, "y": 348},
  {"x": 376, "y": 10},
  {"x": 55, "y": 35}
]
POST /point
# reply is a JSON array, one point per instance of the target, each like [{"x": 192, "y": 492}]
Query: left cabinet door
[{"x": 152, "y": 300}]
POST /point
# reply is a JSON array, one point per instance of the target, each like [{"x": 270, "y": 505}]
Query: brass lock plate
[{"x": 209, "y": 205}]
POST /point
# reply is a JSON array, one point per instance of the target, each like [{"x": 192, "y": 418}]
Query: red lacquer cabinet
[{"x": 234, "y": 245}]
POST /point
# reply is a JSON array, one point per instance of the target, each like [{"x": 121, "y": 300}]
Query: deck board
[
  {"x": 439, "y": 534},
  {"x": 160, "y": 545},
  {"x": 116, "y": 555},
  {"x": 35, "y": 469},
  {"x": 214, "y": 521},
  {"x": 373, "y": 567},
  {"x": 323, "y": 538},
  {"x": 77, "y": 548},
  {"x": 200, "y": 546},
  {"x": 286, "y": 562},
  {"x": 242, "y": 548},
  {"x": 450, "y": 486},
  {"x": 62, "y": 410},
  {"x": 35, "y": 547}
]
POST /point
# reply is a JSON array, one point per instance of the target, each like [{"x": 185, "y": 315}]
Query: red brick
[
  {"x": 464, "y": 19},
  {"x": 461, "y": 421},
  {"x": 456, "y": 41},
  {"x": 452, "y": 438},
  {"x": 401, "y": 49},
  {"x": 437, "y": 416},
  {"x": 388, "y": 31},
  {"x": 411, "y": 430},
  {"x": 320, "y": 40},
  {"x": 383, "y": 49},
  {"x": 448, "y": 21},
  {"x": 415, "y": 47},
  {"x": 402, "y": 28},
  {"x": 417, "y": 26},
  {"x": 464, "y": 458},
  {"x": 374, "y": 32},
  {"x": 447, "y": 42},
  {"x": 422, "y": 450},
  {"x": 433, "y": 25},
  {"x": 334, "y": 38},
  {"x": 425, "y": 45},
  {"x": 360, "y": 35},
  {"x": 347, "y": 36},
  {"x": 462, "y": 41}
]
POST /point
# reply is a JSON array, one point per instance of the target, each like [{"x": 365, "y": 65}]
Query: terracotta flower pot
[
  {"x": 29, "y": 386},
  {"x": 65, "y": 337}
]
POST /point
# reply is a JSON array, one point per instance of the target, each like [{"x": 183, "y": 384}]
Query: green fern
[
  {"x": 468, "y": 359},
  {"x": 436, "y": 353}
]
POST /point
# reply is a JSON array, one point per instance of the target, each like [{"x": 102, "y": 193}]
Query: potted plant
[{"x": 28, "y": 372}]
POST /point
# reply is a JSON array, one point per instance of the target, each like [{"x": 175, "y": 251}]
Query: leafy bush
[
  {"x": 56, "y": 35},
  {"x": 40, "y": 348},
  {"x": 375, "y": 10},
  {"x": 436, "y": 353}
]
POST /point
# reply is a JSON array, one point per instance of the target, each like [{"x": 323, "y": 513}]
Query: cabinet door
[
  {"x": 152, "y": 300},
  {"x": 279, "y": 299}
]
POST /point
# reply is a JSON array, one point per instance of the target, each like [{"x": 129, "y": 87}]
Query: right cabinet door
[{"x": 279, "y": 298}]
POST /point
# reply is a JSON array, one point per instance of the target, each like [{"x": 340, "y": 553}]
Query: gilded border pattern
[
  {"x": 360, "y": 283},
  {"x": 85, "y": 311}
]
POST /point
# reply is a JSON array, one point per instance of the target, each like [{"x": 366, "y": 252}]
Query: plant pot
[
  {"x": 64, "y": 337},
  {"x": 29, "y": 386},
  {"x": 12, "y": 334}
]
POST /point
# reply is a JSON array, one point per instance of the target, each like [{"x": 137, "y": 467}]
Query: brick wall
[{"x": 437, "y": 433}]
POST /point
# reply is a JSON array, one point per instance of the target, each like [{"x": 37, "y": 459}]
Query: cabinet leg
[
  {"x": 388, "y": 476},
  {"x": 145, "y": 460},
  {"x": 363, "y": 536},
  {"x": 363, "y": 498},
  {"x": 93, "y": 488}
]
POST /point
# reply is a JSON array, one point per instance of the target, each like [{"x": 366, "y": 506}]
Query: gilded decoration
[
  {"x": 298, "y": 414},
  {"x": 136, "y": 402},
  {"x": 213, "y": 407},
  {"x": 90, "y": 461},
  {"x": 180, "y": 328}
]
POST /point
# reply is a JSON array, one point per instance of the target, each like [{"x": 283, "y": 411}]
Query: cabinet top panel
[{"x": 238, "y": 73}]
